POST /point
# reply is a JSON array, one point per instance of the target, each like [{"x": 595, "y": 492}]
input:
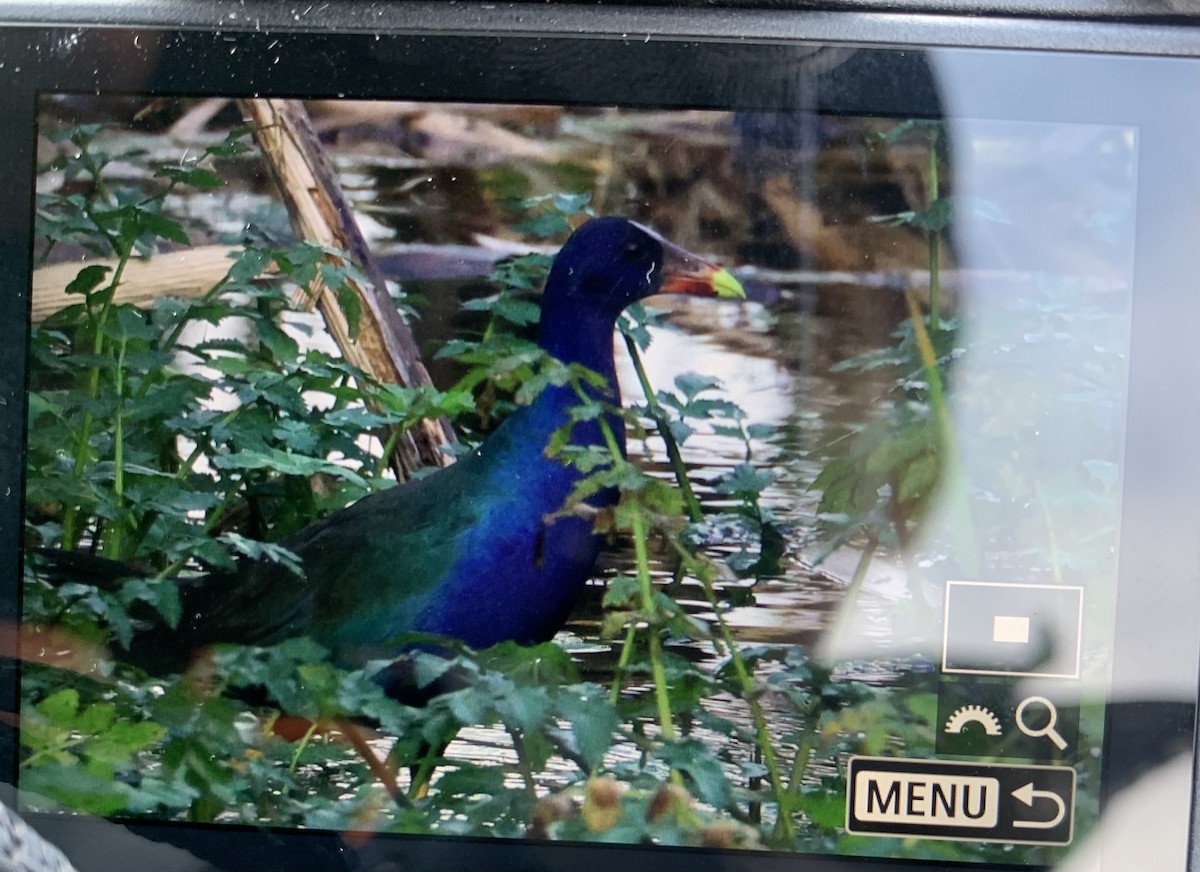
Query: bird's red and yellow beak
[{"x": 685, "y": 273}]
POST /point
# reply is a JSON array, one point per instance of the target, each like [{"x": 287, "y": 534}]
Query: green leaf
[
  {"x": 249, "y": 265},
  {"x": 351, "y": 305},
  {"x": 160, "y": 594},
  {"x": 662, "y": 497},
  {"x": 469, "y": 706},
  {"x": 889, "y": 448},
  {"x": 320, "y": 680},
  {"x": 154, "y": 793},
  {"x": 429, "y": 668},
  {"x": 131, "y": 323},
  {"x": 96, "y": 718},
  {"x": 282, "y": 347},
  {"x": 233, "y": 144},
  {"x": 680, "y": 431},
  {"x": 746, "y": 481},
  {"x": 826, "y": 810},
  {"x": 633, "y": 323},
  {"x": 924, "y": 706},
  {"x": 88, "y": 279},
  {"x": 919, "y": 477},
  {"x": 60, "y": 708},
  {"x": 518, "y": 312},
  {"x": 76, "y": 789},
  {"x": 297, "y": 435},
  {"x": 701, "y": 767},
  {"x": 544, "y": 226},
  {"x": 980, "y": 208},
  {"x": 161, "y": 225},
  {"x": 168, "y": 603},
  {"x": 544, "y": 666},
  {"x": 197, "y": 177},
  {"x": 727, "y": 431},
  {"x": 623, "y": 590},
  {"x": 572, "y": 204},
  {"x": 268, "y": 551},
  {"x": 117, "y": 746},
  {"x": 469, "y": 779},
  {"x": 524, "y": 707},
  {"x": 286, "y": 464},
  {"x": 693, "y": 384},
  {"x": 594, "y": 722}
]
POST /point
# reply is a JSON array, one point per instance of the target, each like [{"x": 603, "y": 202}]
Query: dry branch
[
  {"x": 320, "y": 213},
  {"x": 189, "y": 272}
]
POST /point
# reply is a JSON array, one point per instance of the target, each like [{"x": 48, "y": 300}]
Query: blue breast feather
[{"x": 496, "y": 566}]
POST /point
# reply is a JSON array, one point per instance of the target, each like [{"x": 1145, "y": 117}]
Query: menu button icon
[{"x": 978, "y": 802}]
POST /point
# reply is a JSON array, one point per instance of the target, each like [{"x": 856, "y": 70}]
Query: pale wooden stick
[
  {"x": 320, "y": 213},
  {"x": 189, "y": 272}
]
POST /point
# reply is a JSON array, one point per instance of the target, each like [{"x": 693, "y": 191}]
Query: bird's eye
[{"x": 633, "y": 248}]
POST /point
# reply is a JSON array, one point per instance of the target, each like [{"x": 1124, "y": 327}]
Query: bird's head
[{"x": 610, "y": 263}]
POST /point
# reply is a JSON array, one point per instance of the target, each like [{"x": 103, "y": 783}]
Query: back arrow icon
[{"x": 1027, "y": 795}]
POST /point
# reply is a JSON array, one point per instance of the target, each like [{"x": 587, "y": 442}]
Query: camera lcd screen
[{"x": 728, "y": 479}]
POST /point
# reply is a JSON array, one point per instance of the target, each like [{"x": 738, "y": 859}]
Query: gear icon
[{"x": 973, "y": 714}]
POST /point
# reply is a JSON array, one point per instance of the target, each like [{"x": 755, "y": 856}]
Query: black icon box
[
  {"x": 978, "y": 802},
  {"x": 1012, "y": 629},
  {"x": 977, "y": 717}
]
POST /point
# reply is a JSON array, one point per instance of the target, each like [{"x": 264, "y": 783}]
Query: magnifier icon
[{"x": 1048, "y": 729}]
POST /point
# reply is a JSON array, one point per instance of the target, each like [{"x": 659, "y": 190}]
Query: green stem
[
  {"x": 785, "y": 828},
  {"x": 849, "y": 598},
  {"x": 48, "y": 752},
  {"x": 389, "y": 449},
  {"x": 218, "y": 515},
  {"x": 639, "y": 533},
  {"x": 171, "y": 568},
  {"x": 112, "y": 544},
  {"x": 95, "y": 171},
  {"x": 695, "y": 512},
  {"x": 186, "y": 467},
  {"x": 420, "y": 779},
  {"x": 622, "y": 664},
  {"x": 523, "y": 764},
  {"x": 71, "y": 529},
  {"x": 964, "y": 528},
  {"x": 661, "y": 695},
  {"x": 173, "y": 338},
  {"x": 301, "y": 745},
  {"x": 935, "y": 286},
  {"x": 800, "y": 762},
  {"x": 198, "y": 451}
]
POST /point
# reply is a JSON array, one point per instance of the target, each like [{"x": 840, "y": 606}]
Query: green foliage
[
  {"x": 505, "y": 366},
  {"x": 75, "y": 750}
]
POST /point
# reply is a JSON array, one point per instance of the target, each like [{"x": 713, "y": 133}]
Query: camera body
[{"x": 936, "y": 600}]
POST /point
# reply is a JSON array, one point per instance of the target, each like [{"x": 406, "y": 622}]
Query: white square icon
[{"x": 1011, "y": 629}]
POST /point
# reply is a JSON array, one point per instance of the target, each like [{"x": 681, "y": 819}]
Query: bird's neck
[
  {"x": 584, "y": 337},
  {"x": 517, "y": 450}
]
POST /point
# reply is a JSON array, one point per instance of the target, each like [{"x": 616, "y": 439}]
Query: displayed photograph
[{"x": 731, "y": 480}]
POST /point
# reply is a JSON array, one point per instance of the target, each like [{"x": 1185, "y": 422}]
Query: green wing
[{"x": 354, "y": 596}]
